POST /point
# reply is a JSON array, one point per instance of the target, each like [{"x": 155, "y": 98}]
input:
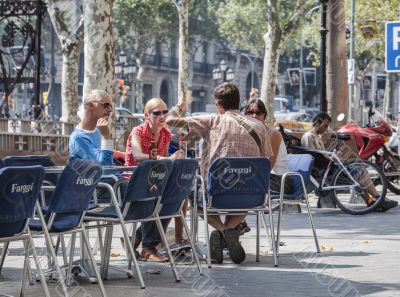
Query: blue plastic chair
[
  {"x": 141, "y": 203},
  {"x": 179, "y": 187},
  {"x": 239, "y": 185},
  {"x": 31, "y": 160},
  {"x": 68, "y": 204},
  {"x": 20, "y": 188},
  {"x": 300, "y": 166}
]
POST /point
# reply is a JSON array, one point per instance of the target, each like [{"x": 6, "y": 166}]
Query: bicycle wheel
[
  {"x": 391, "y": 167},
  {"x": 357, "y": 184}
]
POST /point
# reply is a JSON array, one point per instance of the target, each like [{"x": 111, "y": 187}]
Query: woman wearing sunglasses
[
  {"x": 279, "y": 161},
  {"x": 137, "y": 149},
  {"x": 153, "y": 129}
]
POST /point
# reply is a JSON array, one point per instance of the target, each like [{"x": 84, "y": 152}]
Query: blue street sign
[{"x": 392, "y": 47}]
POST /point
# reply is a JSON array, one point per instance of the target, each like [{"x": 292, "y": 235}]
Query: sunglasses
[
  {"x": 251, "y": 113},
  {"x": 159, "y": 113},
  {"x": 105, "y": 105}
]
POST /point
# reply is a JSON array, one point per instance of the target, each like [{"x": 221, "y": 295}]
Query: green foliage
[
  {"x": 140, "y": 22},
  {"x": 203, "y": 19},
  {"x": 365, "y": 50},
  {"x": 243, "y": 23}
]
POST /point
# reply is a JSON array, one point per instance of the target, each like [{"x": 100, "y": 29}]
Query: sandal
[{"x": 150, "y": 254}]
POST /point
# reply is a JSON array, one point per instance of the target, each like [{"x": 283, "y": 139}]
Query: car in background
[
  {"x": 125, "y": 117},
  {"x": 295, "y": 121},
  {"x": 312, "y": 111}
]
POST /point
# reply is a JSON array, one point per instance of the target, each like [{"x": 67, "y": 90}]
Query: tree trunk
[
  {"x": 387, "y": 97},
  {"x": 183, "y": 12},
  {"x": 67, "y": 19},
  {"x": 69, "y": 85},
  {"x": 99, "y": 49},
  {"x": 139, "y": 87},
  {"x": 337, "y": 88},
  {"x": 273, "y": 48}
]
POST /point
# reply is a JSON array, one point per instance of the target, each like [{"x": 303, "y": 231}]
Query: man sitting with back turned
[{"x": 224, "y": 136}]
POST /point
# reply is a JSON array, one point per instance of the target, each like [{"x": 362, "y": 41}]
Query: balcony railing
[{"x": 173, "y": 64}]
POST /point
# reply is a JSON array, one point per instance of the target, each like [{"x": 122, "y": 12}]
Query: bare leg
[
  {"x": 231, "y": 221},
  {"x": 179, "y": 225},
  {"x": 215, "y": 221}
]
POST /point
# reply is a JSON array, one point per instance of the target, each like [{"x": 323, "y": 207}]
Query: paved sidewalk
[{"x": 360, "y": 258}]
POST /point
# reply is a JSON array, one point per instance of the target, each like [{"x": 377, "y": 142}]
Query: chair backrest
[
  {"x": 148, "y": 181},
  {"x": 179, "y": 185},
  {"x": 301, "y": 163},
  {"x": 235, "y": 183},
  {"x": 76, "y": 186},
  {"x": 20, "y": 188},
  {"x": 30, "y": 160},
  {"x": 73, "y": 193}
]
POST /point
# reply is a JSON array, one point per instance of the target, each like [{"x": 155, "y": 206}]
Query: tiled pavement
[{"x": 360, "y": 258}]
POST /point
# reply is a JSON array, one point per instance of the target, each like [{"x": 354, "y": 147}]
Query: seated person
[
  {"x": 224, "y": 136},
  {"x": 279, "y": 161},
  {"x": 137, "y": 150},
  {"x": 312, "y": 139}
]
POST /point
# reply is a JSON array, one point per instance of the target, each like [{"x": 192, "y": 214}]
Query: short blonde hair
[{"x": 153, "y": 103}]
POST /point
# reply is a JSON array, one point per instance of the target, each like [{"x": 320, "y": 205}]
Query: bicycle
[{"x": 349, "y": 181}]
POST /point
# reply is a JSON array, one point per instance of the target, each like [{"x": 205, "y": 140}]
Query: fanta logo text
[
  {"x": 84, "y": 181},
  {"x": 186, "y": 176},
  {"x": 238, "y": 170},
  {"x": 157, "y": 175},
  {"x": 16, "y": 188}
]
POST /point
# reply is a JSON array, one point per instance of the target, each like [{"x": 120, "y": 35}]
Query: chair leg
[
  {"x": 63, "y": 249},
  {"x": 39, "y": 267},
  {"x": 105, "y": 258},
  {"x": 312, "y": 223},
  {"x": 278, "y": 228},
  {"x": 258, "y": 237},
  {"x": 71, "y": 259},
  {"x": 196, "y": 259},
  {"x": 30, "y": 274},
  {"x": 131, "y": 252},
  {"x": 271, "y": 223},
  {"x": 3, "y": 254},
  {"x": 207, "y": 237},
  {"x": 99, "y": 241},
  {"x": 165, "y": 242},
  {"x": 133, "y": 234},
  {"x": 25, "y": 270},
  {"x": 266, "y": 229},
  {"x": 53, "y": 256},
  {"x": 95, "y": 268}
]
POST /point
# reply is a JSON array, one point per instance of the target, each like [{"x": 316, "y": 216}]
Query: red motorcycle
[{"x": 371, "y": 143}]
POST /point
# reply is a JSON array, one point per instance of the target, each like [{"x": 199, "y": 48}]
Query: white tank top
[{"x": 282, "y": 163}]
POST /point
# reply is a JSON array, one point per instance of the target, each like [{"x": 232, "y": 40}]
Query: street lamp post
[
  {"x": 302, "y": 57},
  {"x": 223, "y": 73},
  {"x": 323, "y": 31},
  {"x": 124, "y": 70},
  {"x": 351, "y": 55},
  {"x": 252, "y": 62}
]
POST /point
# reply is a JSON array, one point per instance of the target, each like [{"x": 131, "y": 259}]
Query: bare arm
[
  {"x": 174, "y": 120},
  {"x": 275, "y": 138},
  {"x": 136, "y": 144}
]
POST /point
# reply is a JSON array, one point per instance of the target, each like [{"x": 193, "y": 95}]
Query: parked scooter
[{"x": 373, "y": 143}]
